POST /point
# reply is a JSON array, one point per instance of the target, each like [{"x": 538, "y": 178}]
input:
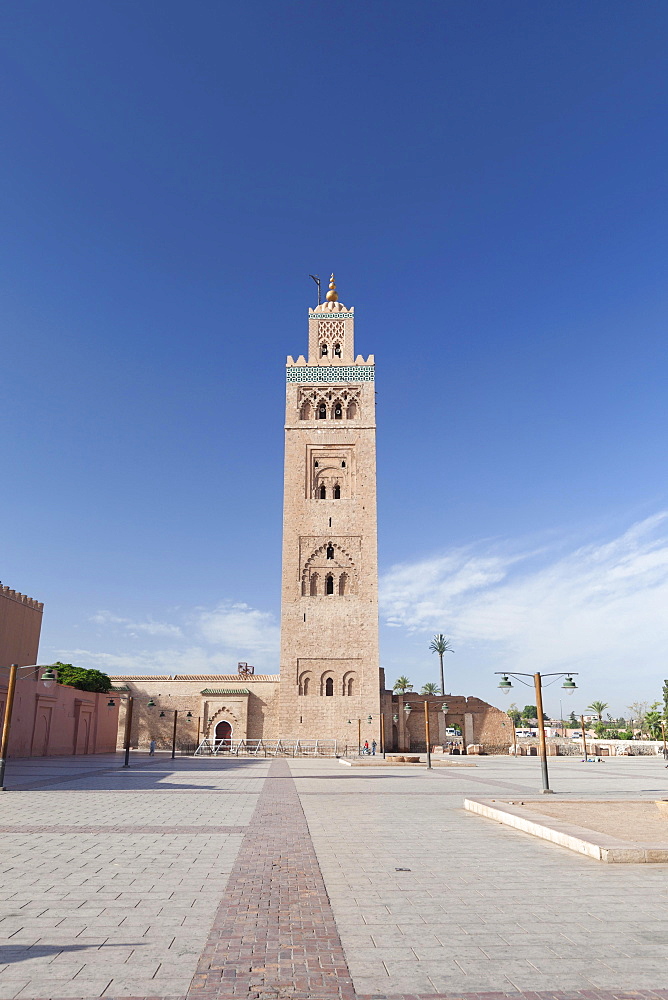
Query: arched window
[
  {"x": 305, "y": 685},
  {"x": 337, "y": 492},
  {"x": 314, "y": 584},
  {"x": 343, "y": 464},
  {"x": 329, "y": 687},
  {"x": 323, "y": 351},
  {"x": 337, "y": 350},
  {"x": 338, "y": 411},
  {"x": 343, "y": 584},
  {"x": 352, "y": 410},
  {"x": 351, "y": 686},
  {"x": 329, "y": 584},
  {"x": 322, "y": 492},
  {"x": 322, "y": 412},
  {"x": 305, "y": 412},
  {"x": 330, "y": 551},
  {"x": 304, "y": 587}
]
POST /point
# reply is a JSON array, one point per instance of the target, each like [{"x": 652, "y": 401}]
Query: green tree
[
  {"x": 513, "y": 712},
  {"x": 429, "y": 688},
  {"x": 439, "y": 644},
  {"x": 638, "y": 710},
  {"x": 83, "y": 679},
  {"x": 653, "y": 721},
  {"x": 530, "y": 712},
  {"x": 665, "y": 699},
  {"x": 402, "y": 684},
  {"x": 599, "y": 707}
]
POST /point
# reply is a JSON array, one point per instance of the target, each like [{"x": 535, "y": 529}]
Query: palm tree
[
  {"x": 429, "y": 688},
  {"x": 402, "y": 684},
  {"x": 439, "y": 644},
  {"x": 599, "y": 707}
]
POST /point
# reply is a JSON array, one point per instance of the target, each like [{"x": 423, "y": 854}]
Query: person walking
[
  {"x": 373, "y": 748},
  {"x": 151, "y": 748}
]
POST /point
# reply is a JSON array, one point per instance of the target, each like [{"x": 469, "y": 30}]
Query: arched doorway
[{"x": 224, "y": 732}]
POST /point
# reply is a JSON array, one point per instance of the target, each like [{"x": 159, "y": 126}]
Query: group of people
[{"x": 369, "y": 750}]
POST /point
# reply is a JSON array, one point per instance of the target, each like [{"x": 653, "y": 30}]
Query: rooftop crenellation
[{"x": 14, "y": 595}]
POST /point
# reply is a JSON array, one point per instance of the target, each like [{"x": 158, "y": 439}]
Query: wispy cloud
[
  {"x": 600, "y": 606},
  {"x": 135, "y": 628},
  {"x": 202, "y": 640},
  {"x": 240, "y": 626}
]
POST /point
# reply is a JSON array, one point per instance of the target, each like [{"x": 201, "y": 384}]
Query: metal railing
[{"x": 266, "y": 748}]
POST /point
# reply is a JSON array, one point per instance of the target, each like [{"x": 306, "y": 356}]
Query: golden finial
[{"x": 331, "y": 294}]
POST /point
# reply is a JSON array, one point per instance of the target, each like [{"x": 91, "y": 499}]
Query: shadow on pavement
[{"x": 11, "y": 953}]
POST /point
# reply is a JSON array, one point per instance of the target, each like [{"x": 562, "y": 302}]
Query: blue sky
[{"x": 488, "y": 182}]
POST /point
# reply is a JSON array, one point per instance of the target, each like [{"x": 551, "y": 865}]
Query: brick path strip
[{"x": 274, "y": 934}]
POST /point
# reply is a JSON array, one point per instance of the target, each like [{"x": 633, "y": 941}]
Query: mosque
[{"x": 330, "y": 685}]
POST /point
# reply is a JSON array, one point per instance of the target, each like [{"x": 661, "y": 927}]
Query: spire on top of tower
[
  {"x": 331, "y": 294},
  {"x": 331, "y": 303}
]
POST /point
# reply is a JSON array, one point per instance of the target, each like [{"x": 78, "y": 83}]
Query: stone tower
[{"x": 329, "y": 612}]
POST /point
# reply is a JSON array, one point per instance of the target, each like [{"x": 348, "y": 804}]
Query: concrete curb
[{"x": 595, "y": 845}]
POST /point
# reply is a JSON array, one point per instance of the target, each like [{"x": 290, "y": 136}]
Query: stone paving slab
[
  {"x": 481, "y": 907},
  {"x": 111, "y": 894},
  {"x": 230, "y": 893}
]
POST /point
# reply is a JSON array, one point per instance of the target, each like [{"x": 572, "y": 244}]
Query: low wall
[{"x": 58, "y": 720}]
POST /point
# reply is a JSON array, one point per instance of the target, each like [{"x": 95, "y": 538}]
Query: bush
[{"x": 84, "y": 680}]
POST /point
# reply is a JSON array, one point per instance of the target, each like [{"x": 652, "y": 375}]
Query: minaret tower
[{"x": 329, "y": 613}]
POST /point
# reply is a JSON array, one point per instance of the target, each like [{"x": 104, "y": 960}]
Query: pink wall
[
  {"x": 57, "y": 720},
  {"x": 20, "y": 625}
]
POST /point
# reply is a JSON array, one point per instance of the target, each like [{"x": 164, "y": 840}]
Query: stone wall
[
  {"x": 49, "y": 721},
  {"x": 249, "y": 704},
  {"x": 329, "y": 637},
  {"x": 20, "y": 626},
  {"x": 481, "y": 723}
]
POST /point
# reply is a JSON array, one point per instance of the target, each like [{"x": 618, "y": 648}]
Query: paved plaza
[{"x": 302, "y": 878}]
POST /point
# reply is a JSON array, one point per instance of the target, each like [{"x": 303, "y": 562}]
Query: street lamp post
[
  {"x": 427, "y": 734},
  {"x": 359, "y": 732},
  {"x": 382, "y": 733},
  {"x": 568, "y": 686},
  {"x": 584, "y": 737},
  {"x": 48, "y": 678},
  {"x": 407, "y": 711},
  {"x": 128, "y": 730},
  {"x": 445, "y": 708},
  {"x": 176, "y": 716}
]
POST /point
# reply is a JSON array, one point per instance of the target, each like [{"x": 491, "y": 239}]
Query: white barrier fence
[{"x": 267, "y": 748}]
